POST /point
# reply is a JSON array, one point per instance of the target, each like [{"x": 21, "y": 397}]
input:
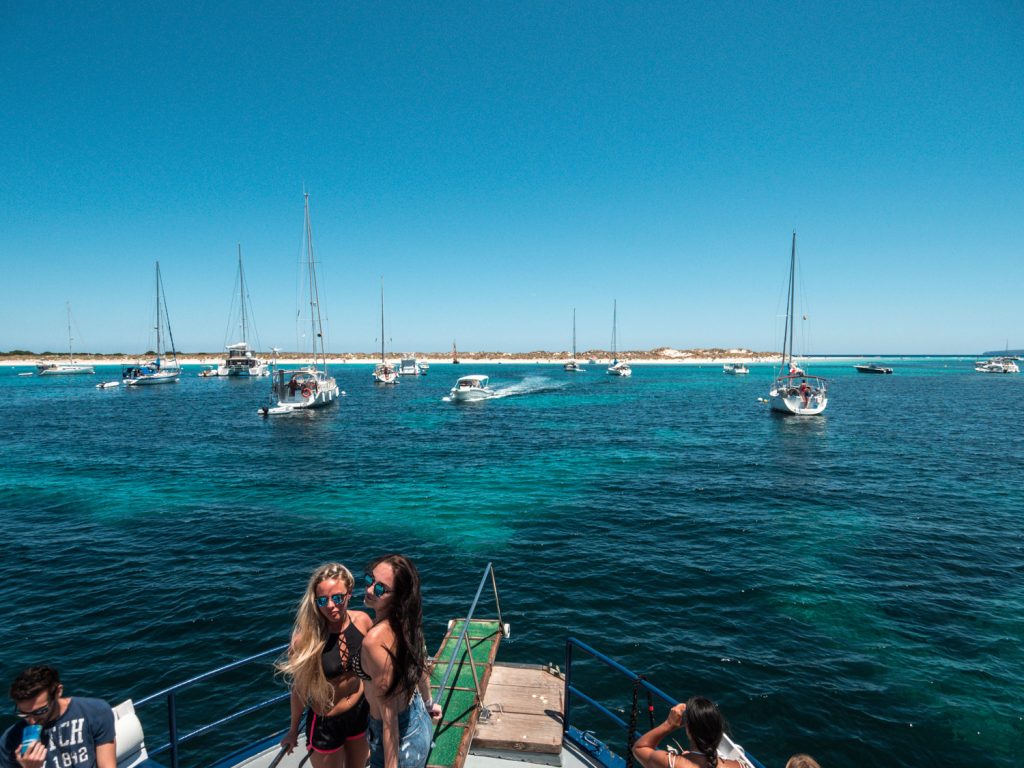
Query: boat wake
[{"x": 531, "y": 385}]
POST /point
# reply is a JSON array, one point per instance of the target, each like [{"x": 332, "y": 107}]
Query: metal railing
[
  {"x": 461, "y": 642},
  {"x": 170, "y": 695},
  {"x": 585, "y": 739}
]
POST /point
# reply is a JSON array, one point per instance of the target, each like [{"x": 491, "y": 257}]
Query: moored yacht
[
  {"x": 71, "y": 367},
  {"x": 159, "y": 370},
  {"x": 793, "y": 391},
  {"x": 410, "y": 366},
  {"x": 573, "y": 365},
  {"x": 311, "y": 386},
  {"x": 997, "y": 365},
  {"x": 618, "y": 367},
  {"x": 384, "y": 372},
  {"x": 242, "y": 359},
  {"x": 735, "y": 369},
  {"x": 872, "y": 368},
  {"x": 473, "y": 387}
]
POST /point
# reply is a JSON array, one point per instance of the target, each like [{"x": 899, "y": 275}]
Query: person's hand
[
  {"x": 435, "y": 711},
  {"x": 34, "y": 757},
  {"x": 290, "y": 741},
  {"x": 675, "y": 716}
]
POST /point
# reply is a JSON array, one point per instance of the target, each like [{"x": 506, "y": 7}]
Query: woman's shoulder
[{"x": 362, "y": 620}]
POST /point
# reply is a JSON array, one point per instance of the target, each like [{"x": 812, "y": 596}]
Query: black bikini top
[{"x": 339, "y": 660}]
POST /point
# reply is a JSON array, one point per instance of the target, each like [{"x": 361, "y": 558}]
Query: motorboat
[
  {"x": 162, "y": 369},
  {"x": 108, "y": 384},
  {"x": 494, "y": 714},
  {"x": 424, "y": 367},
  {"x": 997, "y": 365},
  {"x": 242, "y": 359},
  {"x": 309, "y": 387},
  {"x": 410, "y": 366},
  {"x": 209, "y": 372},
  {"x": 384, "y": 372},
  {"x": 872, "y": 368},
  {"x": 69, "y": 368},
  {"x": 793, "y": 391},
  {"x": 618, "y": 367},
  {"x": 469, "y": 388},
  {"x": 573, "y": 365},
  {"x": 735, "y": 369}
]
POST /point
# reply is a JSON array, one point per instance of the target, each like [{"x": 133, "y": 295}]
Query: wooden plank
[{"x": 526, "y": 706}]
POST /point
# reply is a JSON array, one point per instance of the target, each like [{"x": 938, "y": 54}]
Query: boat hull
[
  {"x": 66, "y": 370},
  {"x": 302, "y": 390},
  {"x": 470, "y": 395},
  {"x": 161, "y": 377}
]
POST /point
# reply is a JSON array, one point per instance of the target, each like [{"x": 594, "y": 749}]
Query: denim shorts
[{"x": 415, "y": 734}]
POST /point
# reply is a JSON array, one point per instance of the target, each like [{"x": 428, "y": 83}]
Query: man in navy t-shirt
[{"x": 74, "y": 732}]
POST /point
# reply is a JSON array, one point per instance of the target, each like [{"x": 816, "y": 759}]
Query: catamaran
[
  {"x": 159, "y": 370},
  {"x": 242, "y": 359},
  {"x": 494, "y": 714},
  {"x": 573, "y": 365},
  {"x": 384, "y": 373},
  {"x": 793, "y": 391},
  {"x": 617, "y": 368},
  {"x": 309, "y": 387},
  {"x": 69, "y": 368}
]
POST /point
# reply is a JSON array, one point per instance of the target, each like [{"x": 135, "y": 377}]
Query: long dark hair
[
  {"x": 405, "y": 617},
  {"x": 705, "y": 725}
]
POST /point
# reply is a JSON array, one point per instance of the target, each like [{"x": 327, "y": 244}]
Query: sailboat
[
  {"x": 573, "y": 365},
  {"x": 793, "y": 391},
  {"x": 617, "y": 368},
  {"x": 159, "y": 370},
  {"x": 242, "y": 359},
  {"x": 455, "y": 354},
  {"x": 384, "y": 373},
  {"x": 309, "y": 387},
  {"x": 64, "y": 369}
]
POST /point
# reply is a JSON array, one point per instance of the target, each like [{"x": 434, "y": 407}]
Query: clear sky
[{"x": 500, "y": 163}]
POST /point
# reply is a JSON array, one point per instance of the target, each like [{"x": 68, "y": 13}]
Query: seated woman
[
  {"x": 394, "y": 665},
  {"x": 704, "y": 729},
  {"x": 321, "y": 668}
]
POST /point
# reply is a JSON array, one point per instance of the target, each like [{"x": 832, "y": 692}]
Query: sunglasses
[
  {"x": 35, "y": 712},
  {"x": 337, "y": 599},
  {"x": 378, "y": 589}
]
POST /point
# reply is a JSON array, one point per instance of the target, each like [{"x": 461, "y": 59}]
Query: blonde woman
[
  {"x": 320, "y": 666},
  {"x": 394, "y": 665}
]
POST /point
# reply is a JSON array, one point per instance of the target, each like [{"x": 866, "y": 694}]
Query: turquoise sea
[{"x": 850, "y": 585}]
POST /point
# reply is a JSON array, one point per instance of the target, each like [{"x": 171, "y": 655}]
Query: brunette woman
[
  {"x": 321, "y": 666},
  {"x": 704, "y": 729},
  {"x": 394, "y": 665}
]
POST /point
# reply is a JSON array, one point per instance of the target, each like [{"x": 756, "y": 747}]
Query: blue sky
[{"x": 500, "y": 163}]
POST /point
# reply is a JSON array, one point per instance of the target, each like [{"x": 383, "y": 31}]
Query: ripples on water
[{"x": 851, "y": 586}]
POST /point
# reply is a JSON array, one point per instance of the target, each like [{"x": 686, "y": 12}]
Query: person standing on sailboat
[{"x": 321, "y": 668}]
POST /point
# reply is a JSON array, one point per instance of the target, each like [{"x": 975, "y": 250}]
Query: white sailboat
[
  {"x": 69, "y": 368},
  {"x": 384, "y": 373},
  {"x": 793, "y": 391},
  {"x": 617, "y": 368},
  {"x": 309, "y": 387},
  {"x": 573, "y": 365},
  {"x": 242, "y": 359},
  {"x": 159, "y": 370}
]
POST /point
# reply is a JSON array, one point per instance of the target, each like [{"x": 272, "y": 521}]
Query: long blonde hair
[{"x": 301, "y": 665}]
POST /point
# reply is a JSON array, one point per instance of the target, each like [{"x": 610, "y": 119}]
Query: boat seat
[{"x": 129, "y": 744}]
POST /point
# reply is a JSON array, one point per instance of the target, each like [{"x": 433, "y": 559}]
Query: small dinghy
[{"x": 108, "y": 384}]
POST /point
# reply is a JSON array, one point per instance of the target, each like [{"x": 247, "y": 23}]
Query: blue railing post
[
  {"x": 172, "y": 729},
  {"x": 566, "y": 719}
]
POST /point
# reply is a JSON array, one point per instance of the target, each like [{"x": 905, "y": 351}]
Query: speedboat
[
  {"x": 871, "y": 368},
  {"x": 209, "y": 372},
  {"x": 997, "y": 365},
  {"x": 573, "y": 366},
  {"x": 410, "y": 366},
  {"x": 301, "y": 390},
  {"x": 735, "y": 369},
  {"x": 242, "y": 361},
  {"x": 494, "y": 714},
  {"x": 469, "y": 388}
]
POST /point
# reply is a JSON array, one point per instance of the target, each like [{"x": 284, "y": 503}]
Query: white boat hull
[
  {"x": 619, "y": 369},
  {"x": 469, "y": 395},
  {"x": 160, "y": 377},
  {"x": 573, "y": 367},
  {"x": 313, "y": 389},
  {"x": 66, "y": 370}
]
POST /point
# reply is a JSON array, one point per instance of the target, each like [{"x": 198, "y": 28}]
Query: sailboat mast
[
  {"x": 382, "y": 321},
  {"x": 158, "y": 312},
  {"x": 71, "y": 355},
  {"x": 615, "y": 323},
  {"x": 241, "y": 289},
  {"x": 314, "y": 296},
  {"x": 574, "y": 333},
  {"x": 787, "y": 337}
]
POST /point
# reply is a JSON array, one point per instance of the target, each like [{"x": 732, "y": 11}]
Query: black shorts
[{"x": 329, "y": 734}]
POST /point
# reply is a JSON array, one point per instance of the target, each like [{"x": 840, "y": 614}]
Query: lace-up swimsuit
[{"x": 328, "y": 733}]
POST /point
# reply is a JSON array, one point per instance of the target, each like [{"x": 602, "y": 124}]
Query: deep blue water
[{"x": 850, "y": 585}]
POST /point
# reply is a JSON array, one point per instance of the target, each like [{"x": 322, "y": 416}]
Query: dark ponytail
[{"x": 705, "y": 725}]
